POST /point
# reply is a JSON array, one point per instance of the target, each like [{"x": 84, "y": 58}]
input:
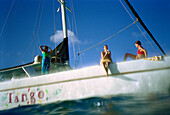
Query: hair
[
  {"x": 45, "y": 47},
  {"x": 138, "y": 42},
  {"x": 106, "y": 46}
]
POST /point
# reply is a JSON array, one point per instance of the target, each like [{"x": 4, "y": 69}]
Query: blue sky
[{"x": 95, "y": 20}]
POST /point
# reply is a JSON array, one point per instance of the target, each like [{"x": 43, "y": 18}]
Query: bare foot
[{"x": 106, "y": 74}]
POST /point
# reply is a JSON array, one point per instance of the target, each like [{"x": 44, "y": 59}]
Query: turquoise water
[{"x": 154, "y": 104}]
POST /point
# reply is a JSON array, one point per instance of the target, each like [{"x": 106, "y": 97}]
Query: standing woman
[
  {"x": 45, "y": 59},
  {"x": 106, "y": 58},
  {"x": 141, "y": 53}
]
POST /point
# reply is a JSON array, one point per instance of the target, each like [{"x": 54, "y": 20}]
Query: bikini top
[{"x": 140, "y": 52}]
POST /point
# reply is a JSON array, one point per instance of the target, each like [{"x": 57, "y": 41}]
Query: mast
[
  {"x": 143, "y": 25},
  {"x": 64, "y": 51},
  {"x": 64, "y": 19}
]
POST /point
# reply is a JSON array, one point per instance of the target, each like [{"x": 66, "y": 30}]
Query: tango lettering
[{"x": 23, "y": 97}]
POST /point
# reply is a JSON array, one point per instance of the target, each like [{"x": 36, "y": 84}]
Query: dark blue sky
[{"x": 95, "y": 20}]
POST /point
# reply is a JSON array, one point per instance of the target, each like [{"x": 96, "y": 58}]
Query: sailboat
[{"x": 138, "y": 76}]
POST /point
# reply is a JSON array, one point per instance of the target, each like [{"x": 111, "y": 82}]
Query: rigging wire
[
  {"x": 35, "y": 35},
  {"x": 8, "y": 31},
  {"x": 54, "y": 20},
  {"x": 29, "y": 45},
  {"x": 36, "y": 27},
  {"x": 74, "y": 21},
  {"x": 74, "y": 49},
  {"x": 54, "y": 17},
  {"x": 56, "y": 28},
  {"x": 39, "y": 27},
  {"x": 106, "y": 38},
  {"x": 11, "y": 24},
  {"x": 139, "y": 27},
  {"x": 6, "y": 18},
  {"x": 72, "y": 42}
]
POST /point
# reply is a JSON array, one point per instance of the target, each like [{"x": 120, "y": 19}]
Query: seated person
[
  {"x": 106, "y": 58},
  {"x": 141, "y": 53}
]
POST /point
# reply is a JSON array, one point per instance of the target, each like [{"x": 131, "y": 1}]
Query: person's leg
[
  {"x": 48, "y": 67},
  {"x": 129, "y": 55},
  {"x": 43, "y": 67},
  {"x": 105, "y": 68}
]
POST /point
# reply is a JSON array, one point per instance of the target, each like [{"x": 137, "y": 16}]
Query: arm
[
  {"x": 42, "y": 48},
  {"x": 102, "y": 55},
  {"x": 145, "y": 52},
  {"x": 50, "y": 50}
]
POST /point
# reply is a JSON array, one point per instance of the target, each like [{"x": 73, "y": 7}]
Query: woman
[
  {"x": 45, "y": 59},
  {"x": 106, "y": 58},
  {"x": 141, "y": 53}
]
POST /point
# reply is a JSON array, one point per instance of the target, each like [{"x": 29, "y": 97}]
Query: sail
[{"x": 62, "y": 50}]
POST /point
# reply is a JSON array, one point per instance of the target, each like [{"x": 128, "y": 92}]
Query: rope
[
  {"x": 106, "y": 38},
  {"x": 139, "y": 27},
  {"x": 6, "y": 18}
]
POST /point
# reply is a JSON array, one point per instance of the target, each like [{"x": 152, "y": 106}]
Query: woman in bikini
[
  {"x": 141, "y": 53},
  {"x": 106, "y": 58}
]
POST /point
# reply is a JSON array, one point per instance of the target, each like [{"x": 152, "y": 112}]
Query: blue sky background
[{"x": 95, "y": 20}]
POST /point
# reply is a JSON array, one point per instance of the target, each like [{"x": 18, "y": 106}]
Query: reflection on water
[{"x": 121, "y": 104}]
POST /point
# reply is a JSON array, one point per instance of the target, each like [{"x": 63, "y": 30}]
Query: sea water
[{"x": 150, "y": 104}]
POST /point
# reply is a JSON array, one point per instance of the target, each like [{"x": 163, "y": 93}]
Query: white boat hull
[{"x": 140, "y": 76}]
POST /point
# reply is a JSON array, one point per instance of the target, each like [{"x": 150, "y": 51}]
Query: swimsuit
[
  {"x": 140, "y": 52},
  {"x": 106, "y": 59},
  {"x": 45, "y": 63}
]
